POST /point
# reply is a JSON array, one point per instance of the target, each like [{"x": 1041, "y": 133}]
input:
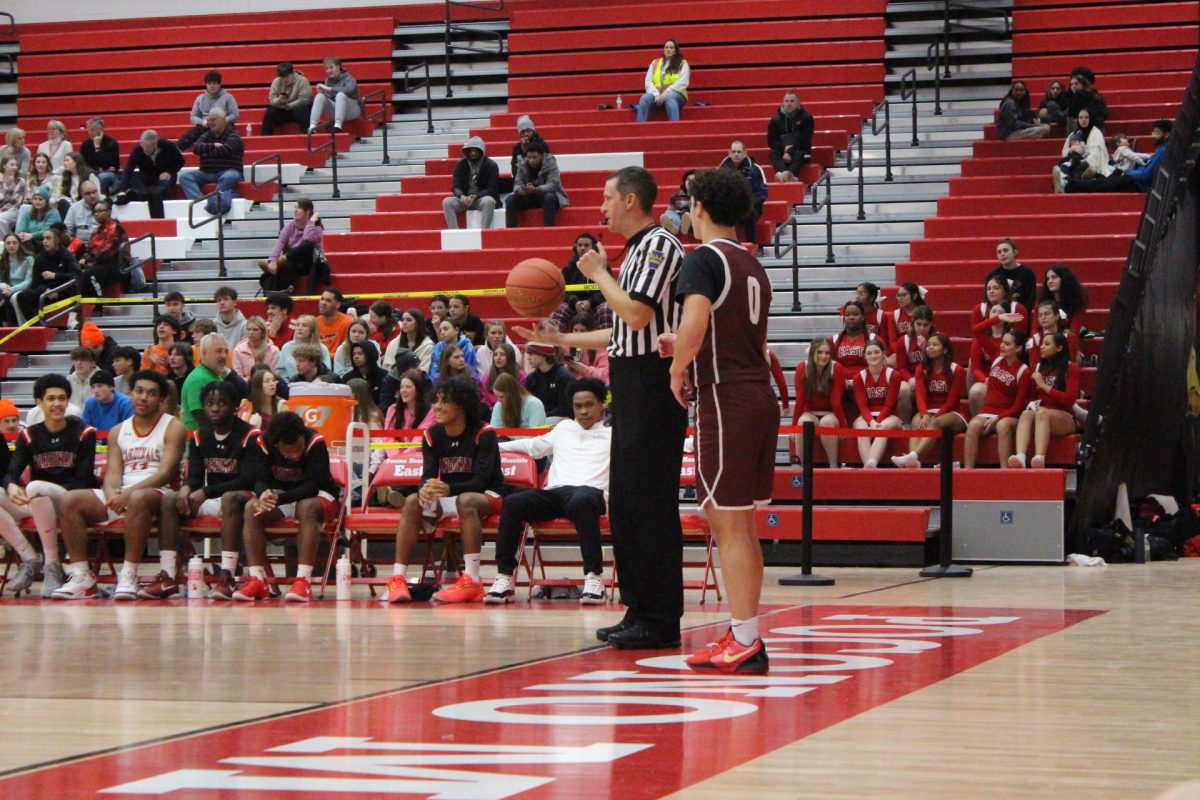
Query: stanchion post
[
  {"x": 945, "y": 569},
  {"x": 806, "y": 578}
]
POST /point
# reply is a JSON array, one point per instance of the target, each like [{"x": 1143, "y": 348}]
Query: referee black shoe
[
  {"x": 645, "y": 636},
  {"x": 603, "y": 633}
]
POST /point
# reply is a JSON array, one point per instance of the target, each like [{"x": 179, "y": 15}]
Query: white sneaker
[
  {"x": 669, "y": 224},
  {"x": 901, "y": 461},
  {"x": 126, "y": 587},
  {"x": 593, "y": 590},
  {"x": 501, "y": 591},
  {"x": 80, "y": 586}
]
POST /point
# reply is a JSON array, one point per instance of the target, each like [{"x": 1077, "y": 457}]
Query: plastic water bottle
[
  {"x": 343, "y": 578},
  {"x": 195, "y": 578},
  {"x": 249, "y": 129},
  {"x": 620, "y": 102}
]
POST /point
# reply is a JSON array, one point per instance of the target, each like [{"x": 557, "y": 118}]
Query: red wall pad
[
  {"x": 138, "y": 101},
  {"x": 1063, "y": 248},
  {"x": 759, "y": 111},
  {"x": 767, "y": 98},
  {"x": 1105, "y": 63},
  {"x": 703, "y": 57},
  {"x": 1092, "y": 224},
  {"x": 664, "y": 13},
  {"x": 631, "y": 81},
  {"x": 1091, "y": 42},
  {"x": 1050, "y": 204},
  {"x": 239, "y": 80},
  {"x": 928, "y": 272},
  {"x": 1100, "y": 16}
]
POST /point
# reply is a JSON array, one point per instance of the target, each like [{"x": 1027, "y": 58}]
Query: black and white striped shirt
[{"x": 649, "y": 274}]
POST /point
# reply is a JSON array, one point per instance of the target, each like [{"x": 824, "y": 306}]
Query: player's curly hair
[
  {"x": 724, "y": 193},
  {"x": 286, "y": 428},
  {"x": 459, "y": 390}
]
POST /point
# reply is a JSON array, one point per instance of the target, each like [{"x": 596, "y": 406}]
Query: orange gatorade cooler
[{"x": 328, "y": 408}]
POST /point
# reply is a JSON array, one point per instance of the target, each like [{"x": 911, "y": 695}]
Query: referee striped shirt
[{"x": 649, "y": 274}]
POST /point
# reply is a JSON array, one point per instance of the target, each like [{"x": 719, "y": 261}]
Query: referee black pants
[{"x": 643, "y": 497}]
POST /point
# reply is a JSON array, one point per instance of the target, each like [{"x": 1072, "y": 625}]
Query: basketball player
[
  {"x": 143, "y": 456},
  {"x": 648, "y": 425},
  {"x": 295, "y": 482},
  {"x": 60, "y": 453},
  {"x": 224, "y": 458},
  {"x": 720, "y": 363}
]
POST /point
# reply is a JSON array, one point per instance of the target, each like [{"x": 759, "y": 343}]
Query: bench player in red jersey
[{"x": 720, "y": 362}]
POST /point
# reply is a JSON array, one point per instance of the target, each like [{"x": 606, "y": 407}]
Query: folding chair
[
  {"x": 696, "y": 531},
  {"x": 366, "y": 523},
  {"x": 290, "y": 528},
  {"x": 561, "y": 531}
]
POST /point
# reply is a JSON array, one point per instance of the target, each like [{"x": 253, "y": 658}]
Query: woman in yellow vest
[{"x": 666, "y": 84}]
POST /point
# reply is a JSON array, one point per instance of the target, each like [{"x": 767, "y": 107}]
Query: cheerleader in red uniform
[
  {"x": 998, "y": 292},
  {"x": 876, "y": 388},
  {"x": 1063, "y": 287},
  {"x": 820, "y": 382},
  {"x": 985, "y": 348},
  {"x": 940, "y": 384},
  {"x": 1007, "y": 393},
  {"x": 849, "y": 345},
  {"x": 909, "y": 297},
  {"x": 1056, "y": 387},
  {"x": 907, "y": 353},
  {"x": 1050, "y": 320},
  {"x": 877, "y": 321}
]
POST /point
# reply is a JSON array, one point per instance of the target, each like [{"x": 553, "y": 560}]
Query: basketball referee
[{"x": 648, "y": 424}]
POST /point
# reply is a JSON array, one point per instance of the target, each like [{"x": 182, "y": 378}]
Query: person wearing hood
[
  {"x": 337, "y": 97},
  {"x": 528, "y": 135},
  {"x": 1080, "y": 95},
  {"x": 364, "y": 358},
  {"x": 789, "y": 136},
  {"x": 536, "y": 184},
  {"x": 288, "y": 100},
  {"x": 741, "y": 162},
  {"x": 213, "y": 96},
  {"x": 229, "y": 321},
  {"x": 476, "y": 185},
  {"x": 1084, "y": 154}
]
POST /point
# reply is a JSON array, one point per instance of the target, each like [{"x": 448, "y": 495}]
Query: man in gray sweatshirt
[
  {"x": 337, "y": 96},
  {"x": 229, "y": 321},
  {"x": 212, "y": 97}
]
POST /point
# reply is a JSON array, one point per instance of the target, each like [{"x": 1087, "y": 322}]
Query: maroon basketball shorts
[{"x": 737, "y": 430}]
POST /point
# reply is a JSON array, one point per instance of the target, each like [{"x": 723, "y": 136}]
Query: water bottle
[
  {"x": 1141, "y": 547},
  {"x": 249, "y": 129},
  {"x": 620, "y": 102},
  {"x": 343, "y": 578},
  {"x": 195, "y": 578}
]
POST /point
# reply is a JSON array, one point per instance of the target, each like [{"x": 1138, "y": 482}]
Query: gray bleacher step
[
  {"x": 8, "y": 90},
  {"x": 434, "y": 29},
  {"x": 492, "y": 68},
  {"x": 958, "y": 50},
  {"x": 480, "y": 91},
  {"x": 933, "y": 9}
]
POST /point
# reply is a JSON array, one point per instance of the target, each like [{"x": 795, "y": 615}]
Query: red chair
[
  {"x": 696, "y": 531},
  {"x": 561, "y": 531},
  {"x": 366, "y": 523}
]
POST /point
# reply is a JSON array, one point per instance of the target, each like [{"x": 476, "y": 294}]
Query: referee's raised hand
[{"x": 594, "y": 262}]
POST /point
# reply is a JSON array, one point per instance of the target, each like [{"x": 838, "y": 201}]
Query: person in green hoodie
[{"x": 789, "y": 137}]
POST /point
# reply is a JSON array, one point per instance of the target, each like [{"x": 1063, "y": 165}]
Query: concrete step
[{"x": 436, "y": 29}]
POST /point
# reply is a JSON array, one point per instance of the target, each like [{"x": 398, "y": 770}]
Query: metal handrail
[
  {"x": 933, "y": 61},
  {"x": 46, "y": 295},
  {"x": 383, "y": 115},
  {"x": 450, "y": 26},
  {"x": 330, "y": 145},
  {"x": 937, "y": 55},
  {"x": 428, "y": 86},
  {"x": 276, "y": 178},
  {"x": 908, "y": 89},
  {"x": 876, "y": 129},
  {"x": 12, "y": 24},
  {"x": 827, "y": 204},
  {"x": 858, "y": 137},
  {"x": 134, "y": 263},
  {"x": 220, "y": 218}
]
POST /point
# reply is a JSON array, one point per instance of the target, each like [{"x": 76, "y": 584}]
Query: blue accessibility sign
[
  {"x": 772, "y": 520},
  {"x": 1006, "y": 518}
]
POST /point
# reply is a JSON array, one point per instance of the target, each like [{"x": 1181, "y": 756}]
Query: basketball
[{"x": 534, "y": 288}]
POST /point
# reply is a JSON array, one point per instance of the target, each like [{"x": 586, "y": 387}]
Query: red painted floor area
[{"x": 597, "y": 724}]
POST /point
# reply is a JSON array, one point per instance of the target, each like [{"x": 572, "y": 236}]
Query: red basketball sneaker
[
  {"x": 397, "y": 590},
  {"x": 301, "y": 591},
  {"x": 255, "y": 588},
  {"x": 728, "y": 656},
  {"x": 464, "y": 590}
]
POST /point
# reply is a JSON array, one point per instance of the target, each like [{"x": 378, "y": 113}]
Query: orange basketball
[{"x": 534, "y": 288}]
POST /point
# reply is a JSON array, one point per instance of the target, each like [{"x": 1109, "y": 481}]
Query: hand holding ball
[{"x": 534, "y": 288}]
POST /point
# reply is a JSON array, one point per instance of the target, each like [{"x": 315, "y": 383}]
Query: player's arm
[
  {"x": 535, "y": 446},
  {"x": 16, "y": 466},
  {"x": 688, "y": 339},
  {"x": 173, "y": 441},
  {"x": 115, "y": 468}
]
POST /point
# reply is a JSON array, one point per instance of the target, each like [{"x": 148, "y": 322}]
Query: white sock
[
  {"x": 400, "y": 569},
  {"x": 17, "y": 540},
  {"x": 167, "y": 560},
  {"x": 259, "y": 572},
  {"x": 471, "y": 562},
  {"x": 304, "y": 571},
  {"x": 229, "y": 560},
  {"x": 129, "y": 570},
  {"x": 78, "y": 568},
  {"x": 745, "y": 631}
]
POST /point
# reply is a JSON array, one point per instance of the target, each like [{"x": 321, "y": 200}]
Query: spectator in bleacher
[
  {"x": 336, "y": 97},
  {"x": 876, "y": 392},
  {"x": 230, "y": 322},
  {"x": 1084, "y": 155},
  {"x": 1052, "y": 109},
  {"x": 221, "y": 153},
  {"x": 439, "y": 306},
  {"x": 1050, "y": 319},
  {"x": 452, "y": 363},
  {"x": 56, "y": 145},
  {"x": 909, "y": 297},
  {"x": 36, "y": 218},
  {"x": 106, "y": 407},
  {"x": 1062, "y": 286},
  {"x": 103, "y": 346},
  {"x": 476, "y": 185},
  {"x": 264, "y": 401},
  {"x": 255, "y": 349},
  {"x": 180, "y": 363},
  {"x": 200, "y": 329},
  {"x": 677, "y": 219},
  {"x": 358, "y": 332},
  {"x": 876, "y": 320},
  {"x": 80, "y": 220},
  {"x": 548, "y": 380},
  {"x": 1008, "y": 383},
  {"x": 1017, "y": 120},
  {"x": 587, "y": 363},
  {"x": 850, "y": 344},
  {"x": 16, "y": 275},
  {"x": 1055, "y": 390},
  {"x": 1022, "y": 283},
  {"x": 537, "y": 184},
  {"x": 14, "y": 147},
  {"x": 412, "y": 409},
  {"x": 939, "y": 386},
  {"x": 1083, "y": 97},
  {"x": 364, "y": 365},
  {"x": 527, "y": 135},
  {"x": 495, "y": 337},
  {"x": 459, "y": 309},
  {"x": 75, "y": 173},
  {"x": 1123, "y": 157},
  {"x": 174, "y": 306},
  {"x": 820, "y": 383},
  {"x": 83, "y": 366},
  {"x": 381, "y": 318},
  {"x": 406, "y": 365},
  {"x": 667, "y": 80},
  {"x": 413, "y": 337},
  {"x": 150, "y": 173},
  {"x": 54, "y": 266},
  {"x": 40, "y": 174},
  {"x": 997, "y": 291},
  {"x": 450, "y": 333},
  {"x": 126, "y": 361},
  {"x": 308, "y": 363},
  {"x": 166, "y": 333},
  {"x": 10, "y": 417},
  {"x": 101, "y": 153},
  {"x": 579, "y": 302},
  {"x": 333, "y": 324},
  {"x": 789, "y": 137},
  {"x": 213, "y": 96},
  {"x": 13, "y": 191},
  {"x": 985, "y": 348},
  {"x": 213, "y": 366},
  {"x": 281, "y": 327},
  {"x": 745, "y": 165},
  {"x": 504, "y": 360},
  {"x": 1135, "y": 180},
  {"x": 106, "y": 248},
  {"x": 288, "y": 100},
  {"x": 304, "y": 333},
  {"x": 294, "y": 250}
]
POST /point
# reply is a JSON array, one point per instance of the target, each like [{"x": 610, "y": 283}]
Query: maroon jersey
[{"x": 737, "y": 285}]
